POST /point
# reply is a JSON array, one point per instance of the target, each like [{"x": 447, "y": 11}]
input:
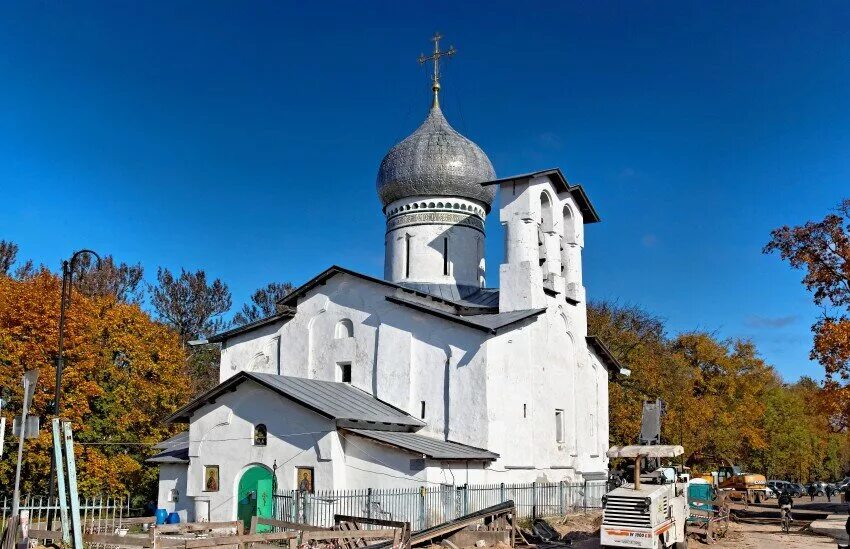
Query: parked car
[
  {"x": 842, "y": 484},
  {"x": 795, "y": 489},
  {"x": 769, "y": 493},
  {"x": 778, "y": 486}
]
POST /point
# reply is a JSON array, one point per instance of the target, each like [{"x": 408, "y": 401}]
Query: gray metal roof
[
  {"x": 465, "y": 296},
  {"x": 348, "y": 405},
  {"x": 341, "y": 401},
  {"x": 427, "y": 446},
  {"x": 488, "y": 322},
  {"x": 179, "y": 438},
  {"x": 174, "y": 450}
]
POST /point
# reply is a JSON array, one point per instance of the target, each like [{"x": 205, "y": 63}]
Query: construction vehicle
[
  {"x": 750, "y": 487},
  {"x": 652, "y": 511}
]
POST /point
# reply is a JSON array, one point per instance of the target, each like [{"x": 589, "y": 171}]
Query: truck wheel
[{"x": 681, "y": 545}]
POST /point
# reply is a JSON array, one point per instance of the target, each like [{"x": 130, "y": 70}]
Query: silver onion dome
[{"x": 435, "y": 160}]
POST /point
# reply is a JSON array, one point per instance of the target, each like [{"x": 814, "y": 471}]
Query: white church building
[{"x": 426, "y": 375}]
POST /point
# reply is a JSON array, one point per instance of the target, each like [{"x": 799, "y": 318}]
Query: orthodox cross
[{"x": 435, "y": 85}]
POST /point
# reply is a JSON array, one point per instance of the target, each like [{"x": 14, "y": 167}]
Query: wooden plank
[
  {"x": 253, "y": 528},
  {"x": 45, "y": 534},
  {"x": 373, "y": 521},
  {"x": 233, "y": 540},
  {"x": 196, "y": 527},
  {"x": 363, "y": 534},
  {"x": 115, "y": 539},
  {"x": 290, "y": 525}
]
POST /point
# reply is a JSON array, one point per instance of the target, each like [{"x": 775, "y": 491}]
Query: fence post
[
  {"x": 502, "y": 495},
  {"x": 296, "y": 506},
  {"x": 561, "y": 497},
  {"x": 369, "y": 503},
  {"x": 585, "y": 496},
  {"x": 466, "y": 499},
  {"x": 533, "y": 500},
  {"x": 422, "y": 491}
]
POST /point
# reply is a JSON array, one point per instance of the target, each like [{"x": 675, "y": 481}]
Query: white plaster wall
[
  {"x": 546, "y": 364},
  {"x": 397, "y": 354},
  {"x": 254, "y": 351},
  {"x": 221, "y": 433},
  {"x": 555, "y": 233},
  {"x": 466, "y": 259},
  {"x": 173, "y": 476},
  {"x": 370, "y": 464}
]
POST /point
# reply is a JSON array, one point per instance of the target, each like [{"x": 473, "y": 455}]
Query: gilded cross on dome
[{"x": 435, "y": 57}]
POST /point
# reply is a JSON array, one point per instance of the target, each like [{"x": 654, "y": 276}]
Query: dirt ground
[
  {"x": 767, "y": 536},
  {"x": 584, "y": 529},
  {"x": 750, "y": 536}
]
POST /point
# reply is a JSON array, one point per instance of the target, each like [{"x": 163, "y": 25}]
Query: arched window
[
  {"x": 260, "y": 435},
  {"x": 344, "y": 329},
  {"x": 569, "y": 226},
  {"x": 569, "y": 256},
  {"x": 546, "y": 219}
]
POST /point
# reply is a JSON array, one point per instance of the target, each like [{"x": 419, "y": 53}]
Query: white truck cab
[{"x": 650, "y": 512}]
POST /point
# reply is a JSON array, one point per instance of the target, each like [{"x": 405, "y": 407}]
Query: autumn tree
[
  {"x": 8, "y": 257},
  {"x": 193, "y": 308},
  {"x": 121, "y": 280},
  {"x": 264, "y": 302},
  {"x": 8, "y": 254},
  {"x": 124, "y": 373},
  {"x": 822, "y": 249},
  {"x": 189, "y": 304}
]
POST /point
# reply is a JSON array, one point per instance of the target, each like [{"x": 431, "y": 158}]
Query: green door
[{"x": 255, "y": 496}]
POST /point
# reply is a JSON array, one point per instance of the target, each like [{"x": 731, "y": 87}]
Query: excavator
[{"x": 740, "y": 485}]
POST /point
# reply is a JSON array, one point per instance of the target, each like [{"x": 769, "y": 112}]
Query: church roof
[
  {"x": 605, "y": 355},
  {"x": 174, "y": 450},
  {"x": 488, "y": 322},
  {"x": 588, "y": 212},
  {"x": 426, "y": 446},
  {"x": 283, "y": 313},
  {"x": 467, "y": 296},
  {"x": 468, "y": 305},
  {"x": 348, "y": 405}
]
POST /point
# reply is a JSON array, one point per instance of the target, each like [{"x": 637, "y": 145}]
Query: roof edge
[
  {"x": 588, "y": 212},
  {"x": 493, "y": 457},
  {"x": 604, "y": 353},
  {"x": 288, "y": 312}
]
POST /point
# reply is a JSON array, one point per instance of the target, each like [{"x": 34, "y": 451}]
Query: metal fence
[
  {"x": 424, "y": 507},
  {"x": 98, "y": 514}
]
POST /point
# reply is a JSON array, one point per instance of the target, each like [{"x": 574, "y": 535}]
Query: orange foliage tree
[
  {"x": 822, "y": 249},
  {"x": 124, "y": 373}
]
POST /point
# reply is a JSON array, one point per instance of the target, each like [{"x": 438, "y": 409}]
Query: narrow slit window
[
  {"x": 422, "y": 411},
  {"x": 559, "y": 426},
  {"x": 407, "y": 256},
  {"x": 445, "y": 256},
  {"x": 525, "y": 410}
]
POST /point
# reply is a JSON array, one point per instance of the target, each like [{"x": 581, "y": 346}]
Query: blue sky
[{"x": 244, "y": 137}]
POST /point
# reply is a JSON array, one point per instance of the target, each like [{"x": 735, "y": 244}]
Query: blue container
[
  {"x": 161, "y": 516},
  {"x": 173, "y": 518}
]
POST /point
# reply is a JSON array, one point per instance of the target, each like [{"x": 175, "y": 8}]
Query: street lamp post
[{"x": 67, "y": 276}]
